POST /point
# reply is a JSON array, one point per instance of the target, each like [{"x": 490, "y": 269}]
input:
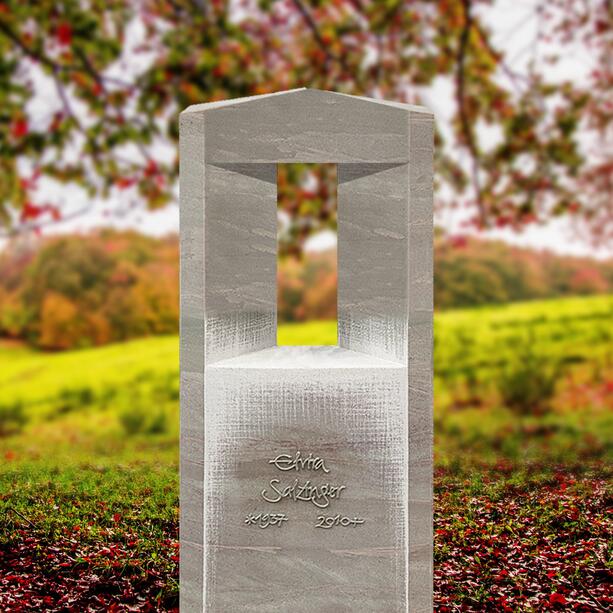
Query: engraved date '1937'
[{"x": 265, "y": 520}]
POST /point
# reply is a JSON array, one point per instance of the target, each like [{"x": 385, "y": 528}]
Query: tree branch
[
  {"x": 91, "y": 70},
  {"x": 22, "y": 517},
  {"x": 33, "y": 53},
  {"x": 61, "y": 92},
  {"x": 45, "y": 60},
  {"x": 89, "y": 67},
  {"x": 512, "y": 74},
  {"x": 308, "y": 18},
  {"x": 201, "y": 5},
  {"x": 38, "y": 225},
  {"x": 461, "y": 101}
]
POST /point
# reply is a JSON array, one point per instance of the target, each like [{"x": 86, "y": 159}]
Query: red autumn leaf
[
  {"x": 19, "y": 127},
  {"x": 529, "y": 218},
  {"x": 574, "y": 207},
  {"x": 151, "y": 169},
  {"x": 125, "y": 182},
  {"x": 64, "y": 33},
  {"x": 502, "y": 221},
  {"x": 31, "y": 211},
  {"x": 56, "y": 122},
  {"x": 458, "y": 242},
  {"x": 556, "y": 598},
  {"x": 116, "y": 518}
]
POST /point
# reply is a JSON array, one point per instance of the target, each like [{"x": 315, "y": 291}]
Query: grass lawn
[{"x": 523, "y": 430}]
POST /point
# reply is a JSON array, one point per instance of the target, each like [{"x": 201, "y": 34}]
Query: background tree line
[{"x": 82, "y": 290}]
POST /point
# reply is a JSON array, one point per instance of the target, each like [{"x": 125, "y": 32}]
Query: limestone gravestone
[{"x": 306, "y": 472}]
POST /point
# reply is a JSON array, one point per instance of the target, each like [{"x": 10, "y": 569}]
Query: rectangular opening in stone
[{"x": 307, "y": 264}]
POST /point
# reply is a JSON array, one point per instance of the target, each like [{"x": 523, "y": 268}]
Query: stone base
[{"x": 342, "y": 549}]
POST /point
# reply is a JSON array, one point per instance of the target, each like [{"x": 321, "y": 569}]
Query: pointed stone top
[
  {"x": 308, "y": 125},
  {"x": 304, "y": 92},
  {"x": 205, "y": 106}
]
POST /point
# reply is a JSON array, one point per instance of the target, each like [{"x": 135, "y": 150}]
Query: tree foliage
[
  {"x": 111, "y": 77},
  {"x": 475, "y": 272},
  {"x": 307, "y": 288},
  {"x": 77, "y": 291}
]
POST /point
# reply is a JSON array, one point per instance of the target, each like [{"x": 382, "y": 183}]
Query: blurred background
[{"x": 89, "y": 99}]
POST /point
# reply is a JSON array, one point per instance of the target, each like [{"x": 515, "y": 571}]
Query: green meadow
[
  {"x": 499, "y": 371},
  {"x": 89, "y": 438}
]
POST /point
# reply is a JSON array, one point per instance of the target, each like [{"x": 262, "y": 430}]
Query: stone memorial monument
[{"x": 306, "y": 472}]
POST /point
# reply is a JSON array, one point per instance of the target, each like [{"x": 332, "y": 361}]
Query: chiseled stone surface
[
  {"x": 354, "y": 418},
  {"x": 364, "y": 408}
]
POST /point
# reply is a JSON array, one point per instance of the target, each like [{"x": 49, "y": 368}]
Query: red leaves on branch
[
  {"x": 152, "y": 174},
  {"x": 56, "y": 122},
  {"x": 19, "y": 127},
  {"x": 125, "y": 182},
  {"x": 151, "y": 169},
  {"x": 270, "y": 46},
  {"x": 63, "y": 33},
  {"x": 31, "y": 211},
  {"x": 503, "y": 220}
]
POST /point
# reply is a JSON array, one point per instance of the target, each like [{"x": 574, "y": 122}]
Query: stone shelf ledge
[{"x": 305, "y": 357}]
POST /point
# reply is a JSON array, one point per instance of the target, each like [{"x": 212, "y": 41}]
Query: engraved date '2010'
[{"x": 331, "y": 521}]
